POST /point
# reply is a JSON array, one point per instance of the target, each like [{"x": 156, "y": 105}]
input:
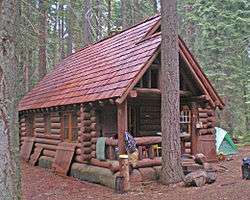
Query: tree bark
[
  {"x": 170, "y": 99},
  {"x": 61, "y": 31},
  {"x": 9, "y": 160},
  {"x": 154, "y": 3},
  {"x": 124, "y": 15},
  {"x": 109, "y": 16},
  {"x": 86, "y": 23},
  {"x": 42, "y": 40}
]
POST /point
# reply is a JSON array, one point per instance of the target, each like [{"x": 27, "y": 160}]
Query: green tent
[{"x": 224, "y": 143}]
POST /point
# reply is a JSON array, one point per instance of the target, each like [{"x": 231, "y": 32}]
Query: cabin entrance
[{"x": 144, "y": 119}]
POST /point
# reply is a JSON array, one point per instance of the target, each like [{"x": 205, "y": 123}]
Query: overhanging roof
[{"x": 107, "y": 69}]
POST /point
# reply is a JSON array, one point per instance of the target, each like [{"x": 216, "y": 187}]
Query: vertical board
[
  {"x": 64, "y": 155},
  {"x": 35, "y": 156},
  {"x": 26, "y": 148}
]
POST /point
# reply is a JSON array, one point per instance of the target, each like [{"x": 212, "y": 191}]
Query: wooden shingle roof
[{"x": 103, "y": 70}]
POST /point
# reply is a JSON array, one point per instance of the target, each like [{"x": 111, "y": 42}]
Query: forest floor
[{"x": 42, "y": 184}]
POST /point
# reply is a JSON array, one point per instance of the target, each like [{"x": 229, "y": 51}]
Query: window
[
  {"x": 185, "y": 120},
  {"x": 70, "y": 129}
]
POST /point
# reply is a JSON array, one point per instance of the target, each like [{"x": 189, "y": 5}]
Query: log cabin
[{"x": 108, "y": 88}]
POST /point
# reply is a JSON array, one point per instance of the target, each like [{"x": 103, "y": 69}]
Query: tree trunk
[
  {"x": 154, "y": 3},
  {"x": 170, "y": 100},
  {"x": 109, "y": 16},
  {"x": 247, "y": 118},
  {"x": 61, "y": 31},
  {"x": 42, "y": 40},
  {"x": 27, "y": 66},
  {"x": 9, "y": 161},
  {"x": 98, "y": 20},
  {"x": 86, "y": 23},
  {"x": 124, "y": 15}
]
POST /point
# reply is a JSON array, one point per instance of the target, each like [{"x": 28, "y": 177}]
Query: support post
[
  {"x": 122, "y": 125},
  {"x": 124, "y": 171}
]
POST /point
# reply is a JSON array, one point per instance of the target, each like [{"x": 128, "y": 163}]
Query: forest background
[{"x": 217, "y": 32}]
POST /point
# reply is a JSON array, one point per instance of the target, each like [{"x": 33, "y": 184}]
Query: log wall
[{"x": 22, "y": 128}]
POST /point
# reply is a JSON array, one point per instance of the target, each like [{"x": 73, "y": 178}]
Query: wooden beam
[{"x": 122, "y": 123}]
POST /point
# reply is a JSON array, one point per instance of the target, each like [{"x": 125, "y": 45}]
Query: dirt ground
[{"x": 42, "y": 184}]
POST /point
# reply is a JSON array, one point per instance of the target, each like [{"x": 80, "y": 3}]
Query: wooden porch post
[{"x": 122, "y": 125}]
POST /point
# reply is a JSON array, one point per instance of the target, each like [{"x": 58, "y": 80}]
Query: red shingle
[{"x": 100, "y": 71}]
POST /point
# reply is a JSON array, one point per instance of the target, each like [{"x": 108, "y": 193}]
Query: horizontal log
[
  {"x": 93, "y": 147},
  {"x": 86, "y": 116},
  {"x": 86, "y": 129},
  {"x": 39, "y": 119},
  {"x": 78, "y": 151},
  {"x": 209, "y": 119},
  {"x": 86, "y": 144},
  {"x": 86, "y": 150},
  {"x": 93, "y": 119},
  {"x": 55, "y": 131},
  {"x": 22, "y": 119},
  {"x": 148, "y": 162},
  {"x": 39, "y": 124},
  {"x": 148, "y": 140},
  {"x": 79, "y": 159},
  {"x": 111, "y": 142},
  {"x": 23, "y": 133},
  {"x": 93, "y": 154},
  {"x": 209, "y": 112},
  {"x": 87, "y": 122},
  {"x": 79, "y": 145},
  {"x": 39, "y": 130},
  {"x": 99, "y": 163},
  {"x": 47, "y": 141},
  {"x": 55, "y": 125},
  {"x": 207, "y": 131},
  {"x": 86, "y": 157},
  {"x": 23, "y": 129},
  {"x": 93, "y": 134},
  {"x": 203, "y": 115},
  {"x": 22, "y": 124},
  {"x": 46, "y": 146},
  {"x": 208, "y": 125},
  {"x": 55, "y": 119},
  {"x": 85, "y": 137},
  {"x": 49, "y": 153},
  {"x": 48, "y": 136},
  {"x": 93, "y": 126},
  {"x": 93, "y": 140}
]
